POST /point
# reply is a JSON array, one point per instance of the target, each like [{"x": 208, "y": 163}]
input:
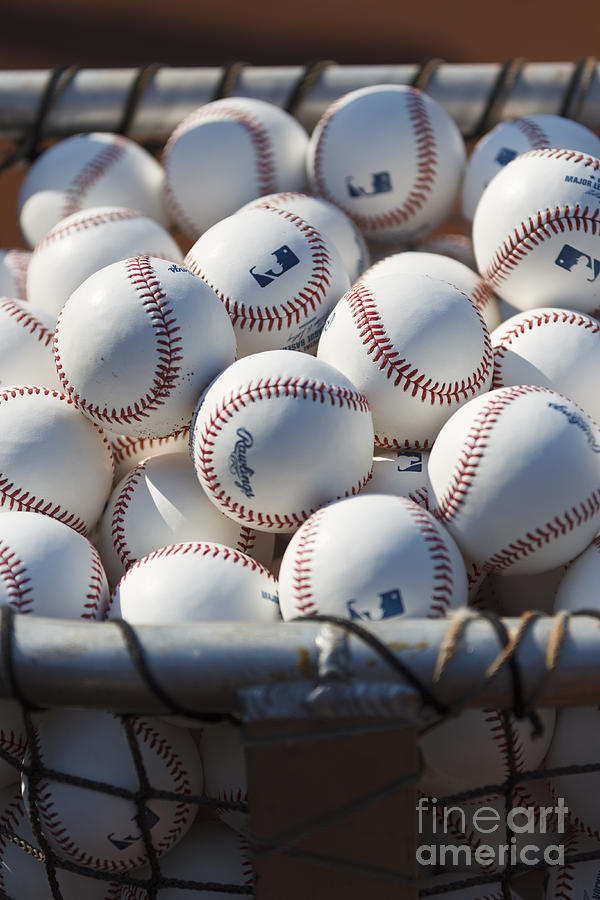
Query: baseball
[
  {"x": 49, "y": 569},
  {"x": 491, "y": 890},
  {"x": 277, "y": 276},
  {"x": 577, "y": 588},
  {"x": 554, "y": 348},
  {"x": 53, "y": 460},
  {"x": 512, "y": 138},
  {"x": 26, "y": 345},
  {"x": 535, "y": 231},
  {"x": 456, "y": 246},
  {"x": 400, "y": 472},
  {"x": 279, "y": 434},
  {"x": 329, "y": 220},
  {"x": 225, "y": 774},
  {"x": 446, "y": 269},
  {"x": 203, "y": 581},
  {"x": 227, "y": 153},
  {"x": 209, "y": 854},
  {"x": 418, "y": 349},
  {"x": 84, "y": 171},
  {"x": 128, "y": 451},
  {"x": 494, "y": 484},
  {"x": 575, "y": 879},
  {"x": 160, "y": 502},
  {"x": 87, "y": 241},
  {"x": 13, "y": 740},
  {"x": 24, "y": 875},
  {"x": 137, "y": 343},
  {"x": 13, "y": 273},
  {"x": 371, "y": 558},
  {"x": 472, "y": 750},
  {"x": 93, "y": 745},
  {"x": 391, "y": 158}
]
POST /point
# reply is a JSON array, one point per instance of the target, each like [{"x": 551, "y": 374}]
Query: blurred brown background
[{"x": 38, "y": 34}]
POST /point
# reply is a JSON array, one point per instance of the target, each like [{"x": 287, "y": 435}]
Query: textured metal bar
[
  {"x": 206, "y": 666},
  {"x": 96, "y": 97}
]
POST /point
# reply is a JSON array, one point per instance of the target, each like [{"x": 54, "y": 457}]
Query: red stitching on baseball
[
  {"x": 95, "y": 587},
  {"x": 280, "y": 315},
  {"x": 565, "y": 880},
  {"x": 531, "y": 321},
  {"x": 301, "y": 579},
  {"x": 84, "y": 222},
  {"x": 494, "y": 720},
  {"x": 163, "y": 750},
  {"x": 379, "y": 345},
  {"x": 261, "y": 143},
  {"x": 17, "y": 582},
  {"x": 266, "y": 389},
  {"x": 426, "y": 154},
  {"x": 168, "y": 345},
  {"x": 443, "y": 582},
  {"x": 246, "y": 540},
  {"x": 26, "y": 320},
  {"x": 92, "y": 172},
  {"x": 537, "y": 137},
  {"x": 124, "y": 447},
  {"x": 12, "y": 817},
  {"x": 119, "y": 538}
]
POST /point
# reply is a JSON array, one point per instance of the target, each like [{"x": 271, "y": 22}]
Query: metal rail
[
  {"x": 259, "y": 670},
  {"x": 475, "y": 95}
]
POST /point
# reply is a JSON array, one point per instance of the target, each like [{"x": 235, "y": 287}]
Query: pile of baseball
[{"x": 258, "y": 378}]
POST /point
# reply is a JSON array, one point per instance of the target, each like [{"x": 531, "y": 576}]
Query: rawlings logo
[
  {"x": 576, "y": 419},
  {"x": 390, "y": 604},
  {"x": 285, "y": 258},
  {"x": 577, "y": 261},
  {"x": 238, "y": 462},
  {"x": 381, "y": 183},
  {"x": 176, "y": 268},
  {"x": 595, "y": 895}
]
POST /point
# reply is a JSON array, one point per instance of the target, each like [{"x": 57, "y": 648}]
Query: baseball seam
[
  {"x": 26, "y": 320},
  {"x": 124, "y": 447},
  {"x": 565, "y": 880},
  {"x": 17, "y": 582},
  {"x": 267, "y": 388},
  {"x": 91, "y": 173},
  {"x": 443, "y": 582},
  {"x": 301, "y": 578},
  {"x": 536, "y": 136},
  {"x": 531, "y": 321},
  {"x": 168, "y": 341},
  {"x": 51, "y": 818},
  {"x": 95, "y": 587},
  {"x": 261, "y": 143},
  {"x": 279, "y": 315},
  {"x": 380, "y": 347},
  {"x": 426, "y": 158},
  {"x": 83, "y": 223}
]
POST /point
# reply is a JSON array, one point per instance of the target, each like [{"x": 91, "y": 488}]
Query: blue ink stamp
[
  {"x": 576, "y": 419},
  {"x": 238, "y": 462}
]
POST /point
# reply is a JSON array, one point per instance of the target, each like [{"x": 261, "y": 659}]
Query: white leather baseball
[
  {"x": 457, "y": 246},
  {"x": 417, "y": 347},
  {"x": 204, "y": 582},
  {"x": 225, "y": 771},
  {"x": 24, "y": 875},
  {"x": 512, "y": 138},
  {"x": 160, "y": 502},
  {"x": 136, "y": 344},
  {"x": 53, "y": 460},
  {"x": 13, "y": 273},
  {"x": 370, "y": 558},
  {"x": 577, "y": 589},
  {"x": 536, "y": 231},
  {"x": 515, "y": 477},
  {"x": 491, "y": 890},
  {"x": 128, "y": 451},
  {"x": 229, "y": 152},
  {"x": 329, "y": 220},
  {"x": 48, "y": 569},
  {"x": 400, "y": 472},
  {"x": 210, "y": 853},
  {"x": 93, "y": 745},
  {"x": 446, "y": 269},
  {"x": 579, "y": 791},
  {"x": 575, "y": 880},
  {"x": 391, "y": 158},
  {"x": 87, "y": 241},
  {"x": 471, "y": 750},
  {"x": 553, "y": 347},
  {"x": 278, "y": 435},
  {"x": 26, "y": 345},
  {"x": 277, "y": 276},
  {"x": 84, "y": 171}
]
